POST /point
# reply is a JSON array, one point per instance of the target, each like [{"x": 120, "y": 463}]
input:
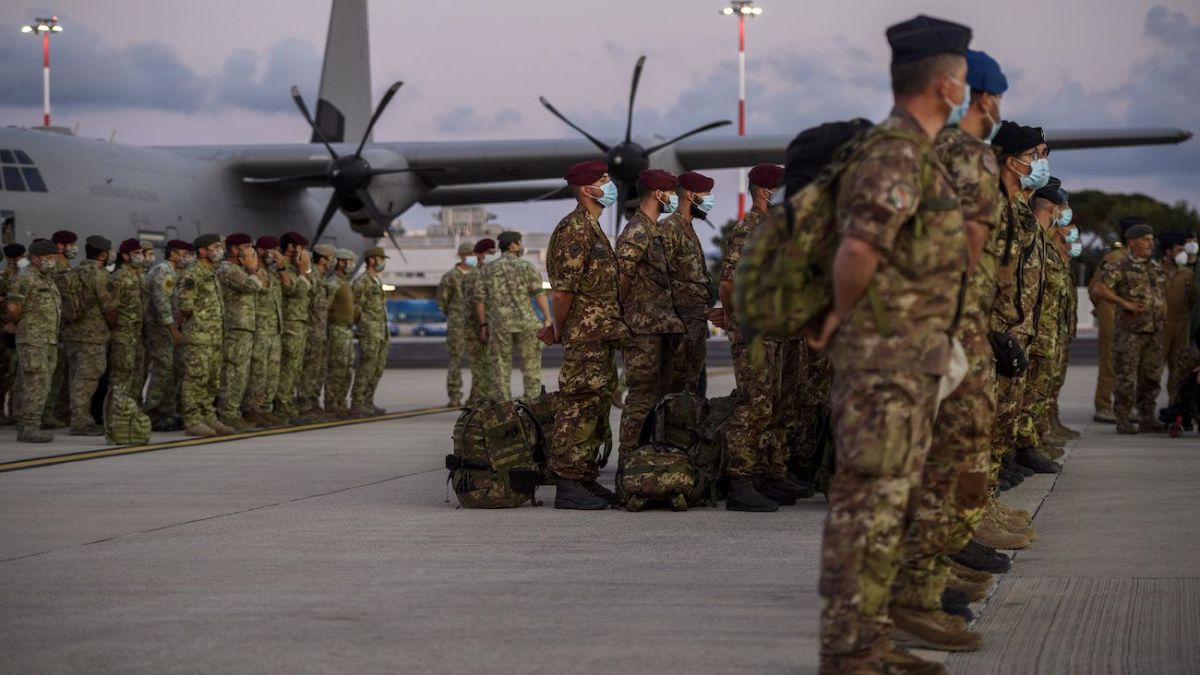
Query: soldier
[
  {"x": 268, "y": 315},
  {"x": 483, "y": 365},
  {"x": 162, "y": 335},
  {"x": 34, "y": 312},
  {"x": 642, "y": 259},
  {"x": 582, "y": 267},
  {"x": 1073, "y": 248},
  {"x": 1137, "y": 285},
  {"x": 125, "y": 355},
  {"x": 1106, "y": 317},
  {"x": 238, "y": 275},
  {"x": 502, "y": 304},
  {"x": 885, "y": 382},
  {"x": 58, "y": 402},
  {"x": 370, "y": 305},
  {"x": 294, "y": 271},
  {"x": 453, "y": 304},
  {"x": 316, "y": 352},
  {"x": 691, "y": 286},
  {"x": 14, "y": 261},
  {"x": 1179, "y": 293},
  {"x": 87, "y": 335},
  {"x": 340, "y": 344}
]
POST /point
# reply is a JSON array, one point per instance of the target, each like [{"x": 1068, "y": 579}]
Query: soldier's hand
[
  {"x": 304, "y": 261},
  {"x": 483, "y": 333},
  {"x": 10, "y": 328},
  {"x": 548, "y": 335},
  {"x": 176, "y": 336},
  {"x": 818, "y": 335},
  {"x": 717, "y": 316},
  {"x": 250, "y": 259},
  {"x": 1135, "y": 307}
]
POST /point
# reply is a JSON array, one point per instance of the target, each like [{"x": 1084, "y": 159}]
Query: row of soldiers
[{"x": 222, "y": 336}]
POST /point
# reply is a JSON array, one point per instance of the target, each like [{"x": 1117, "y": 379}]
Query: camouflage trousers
[
  {"x": 9, "y": 366},
  {"x": 238, "y": 349},
  {"x": 126, "y": 364},
  {"x": 648, "y": 376},
  {"x": 1175, "y": 340},
  {"x": 200, "y": 383},
  {"x": 530, "y": 349},
  {"x": 86, "y": 363},
  {"x": 585, "y": 384},
  {"x": 1010, "y": 394},
  {"x": 37, "y": 368},
  {"x": 812, "y": 419},
  {"x": 1035, "y": 402},
  {"x": 291, "y": 361},
  {"x": 947, "y": 505},
  {"x": 58, "y": 400},
  {"x": 264, "y": 373},
  {"x": 316, "y": 361},
  {"x": 756, "y": 433},
  {"x": 884, "y": 426},
  {"x": 164, "y": 374},
  {"x": 340, "y": 371},
  {"x": 1105, "y": 377},
  {"x": 372, "y": 357},
  {"x": 456, "y": 348},
  {"x": 483, "y": 369},
  {"x": 1060, "y": 379},
  {"x": 691, "y": 354},
  {"x": 1138, "y": 363}
]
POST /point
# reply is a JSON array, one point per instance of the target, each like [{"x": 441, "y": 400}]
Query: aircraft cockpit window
[
  {"x": 23, "y": 158},
  {"x": 12, "y": 179},
  {"x": 18, "y": 173},
  {"x": 34, "y": 179},
  {"x": 6, "y": 157}
]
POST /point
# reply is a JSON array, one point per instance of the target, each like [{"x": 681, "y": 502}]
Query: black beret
[
  {"x": 43, "y": 247},
  {"x": 14, "y": 251},
  {"x": 1013, "y": 139},
  {"x": 1129, "y": 221},
  {"x": 1138, "y": 231},
  {"x": 64, "y": 237},
  {"x": 508, "y": 239},
  {"x": 206, "y": 240},
  {"x": 179, "y": 245},
  {"x": 1052, "y": 191},
  {"x": 813, "y": 148},
  {"x": 1169, "y": 239},
  {"x": 924, "y": 36}
]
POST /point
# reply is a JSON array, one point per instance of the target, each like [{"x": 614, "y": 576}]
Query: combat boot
[
  {"x": 377, "y": 411},
  {"x": 166, "y": 424},
  {"x": 974, "y": 591},
  {"x": 92, "y": 429},
  {"x": 200, "y": 430},
  {"x": 967, "y": 574},
  {"x": 6, "y": 421},
  {"x": 1052, "y": 451},
  {"x": 1018, "y": 468},
  {"x": 1012, "y": 476},
  {"x": 602, "y": 492},
  {"x": 220, "y": 427},
  {"x": 33, "y": 435},
  {"x": 1126, "y": 427},
  {"x": 1149, "y": 424},
  {"x": 360, "y": 412},
  {"x": 1030, "y": 459},
  {"x": 774, "y": 492},
  {"x": 572, "y": 494},
  {"x": 932, "y": 630},
  {"x": 984, "y": 558},
  {"x": 1063, "y": 430},
  {"x": 272, "y": 418},
  {"x": 801, "y": 489},
  {"x": 52, "y": 422},
  {"x": 1104, "y": 417},
  {"x": 956, "y": 604},
  {"x": 991, "y": 534},
  {"x": 744, "y": 497},
  {"x": 236, "y": 423},
  {"x": 252, "y": 418},
  {"x": 1013, "y": 512},
  {"x": 898, "y": 660}
]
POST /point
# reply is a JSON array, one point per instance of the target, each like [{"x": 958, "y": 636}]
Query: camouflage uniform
[
  {"x": 810, "y": 432},
  {"x": 642, "y": 256},
  {"x": 1179, "y": 292},
  {"x": 453, "y": 304},
  {"x": 1044, "y": 352},
  {"x": 1137, "y": 343},
  {"x": 885, "y": 382},
  {"x": 164, "y": 370},
  {"x": 1106, "y": 317},
  {"x": 297, "y": 293},
  {"x": 581, "y": 261},
  {"x": 200, "y": 294},
  {"x": 316, "y": 347},
  {"x": 125, "y": 355},
  {"x": 37, "y": 340},
  {"x": 239, "y": 295},
  {"x": 371, "y": 305},
  {"x": 1067, "y": 329},
  {"x": 8, "y": 355},
  {"x": 70, "y": 292},
  {"x": 692, "y": 293},
  {"x": 264, "y": 363},
  {"x": 948, "y": 504},
  {"x": 506, "y": 290},
  {"x": 340, "y": 343},
  {"x": 483, "y": 366},
  {"x": 87, "y": 341}
]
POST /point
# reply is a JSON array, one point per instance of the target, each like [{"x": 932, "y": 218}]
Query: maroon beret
[
  {"x": 64, "y": 237},
  {"x": 485, "y": 245},
  {"x": 766, "y": 176},
  {"x": 695, "y": 182},
  {"x": 130, "y": 245},
  {"x": 657, "y": 179},
  {"x": 267, "y": 241},
  {"x": 586, "y": 173},
  {"x": 180, "y": 245},
  {"x": 237, "y": 239},
  {"x": 294, "y": 237}
]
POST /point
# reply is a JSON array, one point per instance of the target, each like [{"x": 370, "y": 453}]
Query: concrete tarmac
[{"x": 336, "y": 550}]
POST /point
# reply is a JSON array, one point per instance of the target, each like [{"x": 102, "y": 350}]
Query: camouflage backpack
[
  {"x": 689, "y": 423},
  {"x": 542, "y": 410},
  {"x": 657, "y": 473},
  {"x": 124, "y": 421},
  {"x": 497, "y": 462}
]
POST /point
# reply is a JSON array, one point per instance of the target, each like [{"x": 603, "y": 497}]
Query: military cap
[
  {"x": 1138, "y": 231},
  {"x": 984, "y": 74},
  {"x": 657, "y": 179},
  {"x": 695, "y": 182},
  {"x": 267, "y": 241},
  {"x": 14, "y": 251},
  {"x": 345, "y": 254},
  {"x": 98, "y": 243},
  {"x": 1013, "y": 139},
  {"x": 147, "y": 245},
  {"x": 466, "y": 248},
  {"x": 507, "y": 239},
  {"x": 237, "y": 239},
  {"x": 206, "y": 240},
  {"x": 1129, "y": 221},
  {"x": 325, "y": 251},
  {"x": 1169, "y": 239},
  {"x": 374, "y": 252},
  {"x": 43, "y": 247},
  {"x": 179, "y": 245},
  {"x": 129, "y": 246},
  {"x": 924, "y": 36},
  {"x": 294, "y": 237},
  {"x": 485, "y": 245},
  {"x": 1053, "y": 192},
  {"x": 586, "y": 173},
  {"x": 814, "y": 148},
  {"x": 766, "y": 176},
  {"x": 64, "y": 237}
]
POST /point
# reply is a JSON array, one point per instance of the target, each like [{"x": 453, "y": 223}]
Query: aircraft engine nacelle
[{"x": 392, "y": 193}]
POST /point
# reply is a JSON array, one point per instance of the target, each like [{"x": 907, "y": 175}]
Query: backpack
[
  {"x": 542, "y": 410},
  {"x": 657, "y": 473},
  {"x": 124, "y": 421},
  {"x": 696, "y": 426},
  {"x": 497, "y": 463}
]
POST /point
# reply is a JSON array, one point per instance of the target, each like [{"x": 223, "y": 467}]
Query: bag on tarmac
[
  {"x": 695, "y": 426},
  {"x": 657, "y": 474},
  {"x": 124, "y": 421},
  {"x": 496, "y": 463}
]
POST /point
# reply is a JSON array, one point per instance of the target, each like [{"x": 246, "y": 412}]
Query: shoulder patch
[
  {"x": 902, "y": 196},
  {"x": 169, "y": 283},
  {"x": 989, "y": 163}
]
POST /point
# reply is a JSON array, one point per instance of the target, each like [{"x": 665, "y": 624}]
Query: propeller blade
[
  {"x": 391, "y": 237},
  {"x": 383, "y": 221},
  {"x": 308, "y": 118},
  {"x": 693, "y": 132},
  {"x": 330, "y": 209},
  {"x": 623, "y": 194},
  {"x": 383, "y": 104},
  {"x": 285, "y": 179},
  {"x": 554, "y": 111},
  {"x": 637, "y": 76},
  {"x": 557, "y": 193},
  {"x": 422, "y": 169}
]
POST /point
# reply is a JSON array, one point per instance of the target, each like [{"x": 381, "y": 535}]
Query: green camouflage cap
[
  {"x": 43, "y": 247},
  {"x": 206, "y": 240},
  {"x": 507, "y": 239},
  {"x": 345, "y": 254},
  {"x": 374, "y": 252},
  {"x": 99, "y": 243},
  {"x": 325, "y": 251}
]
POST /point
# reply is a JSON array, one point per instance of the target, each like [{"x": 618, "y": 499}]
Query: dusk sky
[{"x": 166, "y": 72}]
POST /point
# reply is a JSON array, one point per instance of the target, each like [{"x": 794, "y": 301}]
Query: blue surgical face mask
[
  {"x": 610, "y": 194},
  {"x": 1076, "y": 249},
  {"x": 491, "y": 257},
  {"x": 1072, "y": 236},
  {"x": 1064, "y": 219},
  {"x": 471, "y": 261},
  {"x": 671, "y": 205},
  {"x": 958, "y": 111},
  {"x": 1039, "y": 174},
  {"x": 706, "y": 204}
]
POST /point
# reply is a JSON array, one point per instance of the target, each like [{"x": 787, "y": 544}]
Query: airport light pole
[
  {"x": 743, "y": 9},
  {"x": 44, "y": 27}
]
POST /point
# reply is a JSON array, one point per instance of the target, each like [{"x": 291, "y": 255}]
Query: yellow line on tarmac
[{"x": 53, "y": 460}]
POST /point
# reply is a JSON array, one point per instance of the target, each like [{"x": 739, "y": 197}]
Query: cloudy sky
[{"x": 218, "y": 71}]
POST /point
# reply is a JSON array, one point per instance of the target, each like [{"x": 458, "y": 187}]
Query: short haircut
[{"x": 910, "y": 79}]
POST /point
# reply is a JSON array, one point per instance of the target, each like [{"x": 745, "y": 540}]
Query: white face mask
[
  {"x": 1191, "y": 248},
  {"x": 22, "y": 263},
  {"x": 1181, "y": 258}
]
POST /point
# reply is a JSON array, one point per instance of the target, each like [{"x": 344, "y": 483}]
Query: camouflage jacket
[
  {"x": 642, "y": 256},
  {"x": 318, "y": 304},
  {"x": 297, "y": 294},
  {"x": 1050, "y": 317},
  {"x": 268, "y": 311},
  {"x": 506, "y": 290},
  {"x": 160, "y": 283},
  {"x": 729, "y": 262},
  {"x": 371, "y": 306},
  {"x": 581, "y": 261},
  {"x": 239, "y": 293},
  {"x": 341, "y": 300},
  {"x": 200, "y": 294},
  {"x": 1019, "y": 287},
  {"x": 900, "y": 200},
  {"x": 125, "y": 287},
  {"x": 7, "y": 278},
  {"x": 1070, "y": 303},
  {"x": 41, "y": 308},
  {"x": 90, "y": 326},
  {"x": 470, "y": 288},
  {"x": 691, "y": 285},
  {"x": 70, "y": 290},
  {"x": 1143, "y": 282},
  {"x": 450, "y": 298},
  {"x": 1180, "y": 289}
]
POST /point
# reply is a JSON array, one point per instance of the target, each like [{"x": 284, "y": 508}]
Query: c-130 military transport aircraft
[{"x": 57, "y": 180}]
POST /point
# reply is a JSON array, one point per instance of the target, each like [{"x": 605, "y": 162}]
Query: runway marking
[{"x": 54, "y": 460}]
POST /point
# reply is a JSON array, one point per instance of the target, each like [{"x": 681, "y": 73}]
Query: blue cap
[{"x": 984, "y": 74}]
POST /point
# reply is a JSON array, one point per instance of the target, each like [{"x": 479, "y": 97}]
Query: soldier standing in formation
[
  {"x": 295, "y": 267},
  {"x": 125, "y": 355},
  {"x": 14, "y": 260},
  {"x": 1106, "y": 317},
  {"x": 503, "y": 303},
  {"x": 453, "y": 304},
  {"x": 34, "y": 312},
  {"x": 1180, "y": 291},
  {"x": 340, "y": 344},
  {"x": 370, "y": 305},
  {"x": 200, "y": 314},
  {"x": 264, "y": 371},
  {"x": 163, "y": 337},
  {"x": 483, "y": 365},
  {"x": 240, "y": 287},
  {"x": 316, "y": 347},
  {"x": 691, "y": 285}
]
